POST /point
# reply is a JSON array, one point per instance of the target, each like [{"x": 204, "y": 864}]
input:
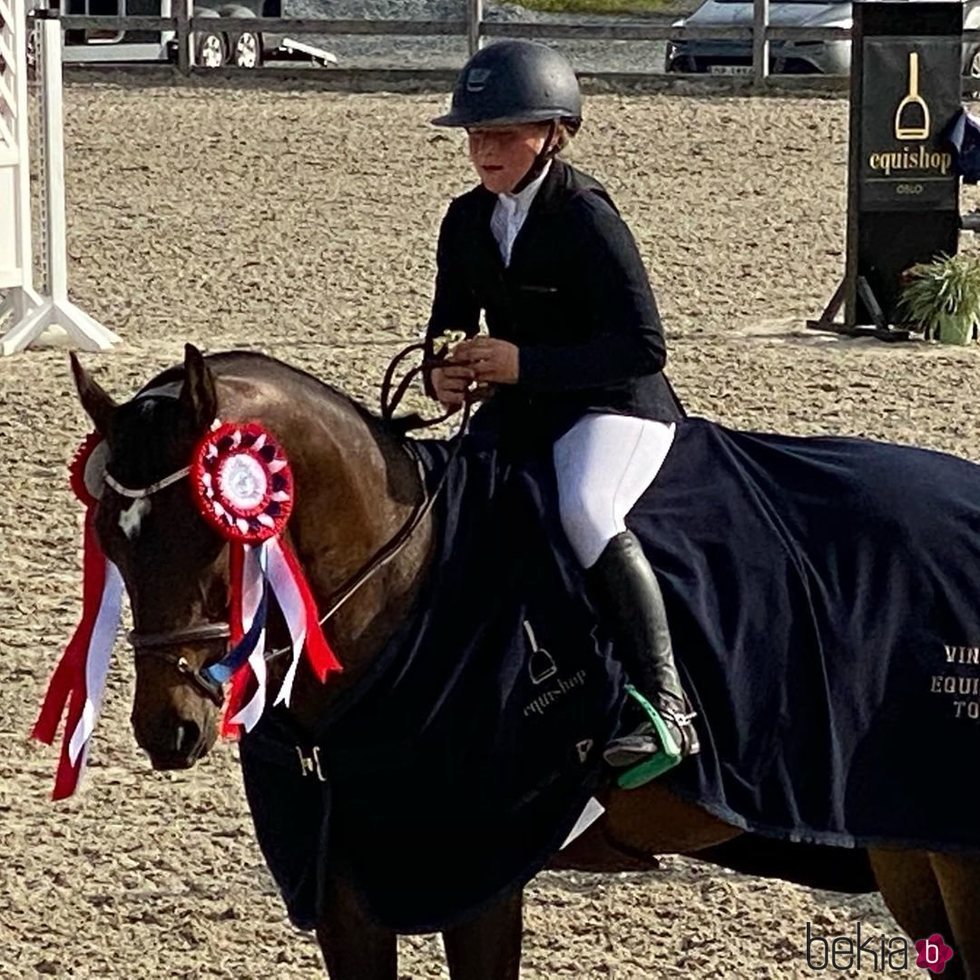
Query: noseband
[{"x": 160, "y": 645}]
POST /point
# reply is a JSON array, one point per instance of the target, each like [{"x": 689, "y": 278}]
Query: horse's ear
[
  {"x": 98, "y": 404},
  {"x": 198, "y": 395}
]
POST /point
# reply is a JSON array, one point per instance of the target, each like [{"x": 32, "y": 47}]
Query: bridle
[
  {"x": 209, "y": 680},
  {"x": 160, "y": 645}
]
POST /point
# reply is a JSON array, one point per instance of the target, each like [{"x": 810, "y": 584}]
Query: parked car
[{"x": 726, "y": 57}]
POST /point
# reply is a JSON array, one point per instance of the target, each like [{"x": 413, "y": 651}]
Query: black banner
[{"x": 910, "y": 95}]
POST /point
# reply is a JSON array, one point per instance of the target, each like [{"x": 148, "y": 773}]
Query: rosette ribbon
[
  {"x": 243, "y": 487},
  {"x": 78, "y": 681}
]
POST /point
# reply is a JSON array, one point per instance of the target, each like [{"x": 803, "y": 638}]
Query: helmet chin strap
[{"x": 544, "y": 155}]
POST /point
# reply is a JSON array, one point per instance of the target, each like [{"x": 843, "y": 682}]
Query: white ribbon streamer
[
  {"x": 97, "y": 660},
  {"x": 254, "y": 573},
  {"x": 294, "y": 612}
]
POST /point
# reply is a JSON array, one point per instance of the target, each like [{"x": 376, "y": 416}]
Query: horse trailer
[{"x": 212, "y": 49}]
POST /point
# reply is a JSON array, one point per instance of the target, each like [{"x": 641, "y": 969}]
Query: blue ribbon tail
[{"x": 222, "y": 671}]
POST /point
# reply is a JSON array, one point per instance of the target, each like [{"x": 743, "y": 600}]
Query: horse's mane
[{"x": 261, "y": 366}]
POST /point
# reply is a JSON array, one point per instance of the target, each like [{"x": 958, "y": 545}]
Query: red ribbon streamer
[
  {"x": 321, "y": 657},
  {"x": 67, "y": 684},
  {"x": 238, "y": 687}
]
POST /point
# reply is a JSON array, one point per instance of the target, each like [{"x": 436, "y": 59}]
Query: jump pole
[{"x": 36, "y": 314}]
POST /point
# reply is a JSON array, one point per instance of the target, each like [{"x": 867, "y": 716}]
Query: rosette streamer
[{"x": 78, "y": 681}]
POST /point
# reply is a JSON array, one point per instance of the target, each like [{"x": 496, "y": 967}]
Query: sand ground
[{"x": 303, "y": 223}]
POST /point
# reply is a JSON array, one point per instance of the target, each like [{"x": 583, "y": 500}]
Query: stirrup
[{"x": 663, "y": 761}]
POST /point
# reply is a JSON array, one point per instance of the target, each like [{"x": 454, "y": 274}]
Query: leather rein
[{"x": 208, "y": 679}]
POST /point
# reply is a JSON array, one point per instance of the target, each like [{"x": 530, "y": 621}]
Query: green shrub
[{"x": 943, "y": 298}]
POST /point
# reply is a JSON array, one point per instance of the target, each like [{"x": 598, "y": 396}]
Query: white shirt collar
[
  {"x": 510, "y": 211},
  {"x": 521, "y": 201}
]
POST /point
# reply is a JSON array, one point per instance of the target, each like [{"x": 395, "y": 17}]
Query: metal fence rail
[{"x": 477, "y": 30}]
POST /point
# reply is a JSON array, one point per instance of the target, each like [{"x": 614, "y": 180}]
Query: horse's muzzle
[{"x": 176, "y": 746}]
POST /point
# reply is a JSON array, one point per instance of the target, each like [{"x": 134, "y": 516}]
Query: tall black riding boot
[{"x": 627, "y": 594}]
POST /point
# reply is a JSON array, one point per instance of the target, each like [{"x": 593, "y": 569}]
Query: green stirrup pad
[{"x": 658, "y": 764}]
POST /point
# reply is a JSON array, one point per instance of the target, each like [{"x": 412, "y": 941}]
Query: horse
[{"x": 356, "y": 486}]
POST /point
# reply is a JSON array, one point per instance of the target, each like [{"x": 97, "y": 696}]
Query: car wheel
[
  {"x": 244, "y": 48},
  {"x": 247, "y": 50},
  {"x": 211, "y": 49}
]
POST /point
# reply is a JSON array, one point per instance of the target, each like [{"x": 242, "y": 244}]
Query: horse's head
[{"x": 173, "y": 564}]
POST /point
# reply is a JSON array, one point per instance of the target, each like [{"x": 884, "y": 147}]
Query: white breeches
[{"x": 603, "y": 464}]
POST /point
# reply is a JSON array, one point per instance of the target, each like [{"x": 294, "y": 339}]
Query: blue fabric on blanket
[{"x": 821, "y": 595}]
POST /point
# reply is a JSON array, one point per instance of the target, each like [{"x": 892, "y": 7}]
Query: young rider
[{"x": 574, "y": 352}]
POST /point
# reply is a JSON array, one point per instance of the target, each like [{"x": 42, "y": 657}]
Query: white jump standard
[
  {"x": 16, "y": 273},
  {"x": 33, "y": 314}
]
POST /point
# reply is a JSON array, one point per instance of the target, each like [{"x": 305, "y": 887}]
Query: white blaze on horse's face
[
  {"x": 131, "y": 518},
  {"x": 94, "y": 476}
]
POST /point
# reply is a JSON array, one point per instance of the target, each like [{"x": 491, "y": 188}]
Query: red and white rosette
[
  {"x": 242, "y": 482},
  {"x": 243, "y": 487},
  {"x": 78, "y": 681}
]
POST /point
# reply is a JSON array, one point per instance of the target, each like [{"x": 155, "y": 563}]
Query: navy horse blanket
[{"x": 822, "y": 599}]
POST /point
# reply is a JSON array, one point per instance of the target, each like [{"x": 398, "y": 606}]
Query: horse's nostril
[{"x": 186, "y": 737}]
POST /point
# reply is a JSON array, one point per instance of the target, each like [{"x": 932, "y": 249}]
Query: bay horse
[{"x": 356, "y": 485}]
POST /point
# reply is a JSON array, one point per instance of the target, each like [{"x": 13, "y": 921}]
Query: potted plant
[{"x": 943, "y": 297}]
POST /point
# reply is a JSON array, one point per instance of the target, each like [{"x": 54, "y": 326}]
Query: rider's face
[{"x": 501, "y": 156}]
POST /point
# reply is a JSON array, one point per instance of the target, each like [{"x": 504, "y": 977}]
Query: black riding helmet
[{"x": 513, "y": 82}]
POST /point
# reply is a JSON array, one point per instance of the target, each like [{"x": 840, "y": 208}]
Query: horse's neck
[{"x": 355, "y": 488}]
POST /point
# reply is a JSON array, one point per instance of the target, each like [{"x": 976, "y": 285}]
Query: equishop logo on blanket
[
  {"x": 877, "y": 954},
  {"x": 542, "y": 667},
  {"x": 547, "y": 698}
]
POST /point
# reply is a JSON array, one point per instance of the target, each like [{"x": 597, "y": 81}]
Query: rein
[
  {"x": 390, "y": 402},
  {"x": 209, "y": 679}
]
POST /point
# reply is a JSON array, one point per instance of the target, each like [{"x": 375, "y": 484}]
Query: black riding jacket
[{"x": 575, "y": 299}]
